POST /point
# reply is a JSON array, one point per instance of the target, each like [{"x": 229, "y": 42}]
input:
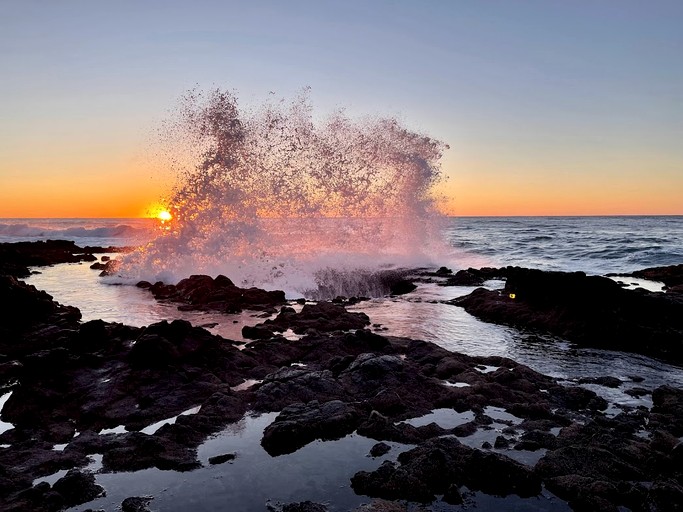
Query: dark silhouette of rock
[
  {"x": 589, "y": 310},
  {"x": 200, "y": 292},
  {"x": 304, "y": 506},
  {"x": 671, "y": 276},
  {"x": 474, "y": 277},
  {"x": 402, "y": 287},
  {"x": 299, "y": 424},
  {"x": 320, "y": 317},
  {"x": 222, "y": 459},
  {"x": 77, "y": 487},
  {"x": 434, "y": 466},
  {"x": 379, "y": 449},
  {"x": 16, "y": 257},
  {"x": 136, "y": 504}
]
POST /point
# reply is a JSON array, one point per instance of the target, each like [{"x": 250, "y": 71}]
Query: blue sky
[{"x": 532, "y": 96}]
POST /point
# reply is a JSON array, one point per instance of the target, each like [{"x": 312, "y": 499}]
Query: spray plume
[{"x": 274, "y": 199}]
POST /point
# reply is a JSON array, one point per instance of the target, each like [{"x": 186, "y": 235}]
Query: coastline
[{"x": 330, "y": 383}]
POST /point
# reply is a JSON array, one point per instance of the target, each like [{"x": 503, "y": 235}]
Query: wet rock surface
[
  {"x": 671, "y": 276},
  {"x": 68, "y": 377},
  {"x": 136, "y": 504},
  {"x": 473, "y": 276},
  {"x": 320, "y": 317},
  {"x": 17, "y": 257},
  {"x": 200, "y": 292},
  {"x": 442, "y": 465},
  {"x": 588, "y": 310}
]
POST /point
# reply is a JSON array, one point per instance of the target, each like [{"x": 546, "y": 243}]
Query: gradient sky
[{"x": 549, "y": 107}]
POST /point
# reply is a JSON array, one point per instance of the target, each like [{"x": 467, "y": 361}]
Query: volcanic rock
[
  {"x": 77, "y": 487},
  {"x": 671, "y": 276},
  {"x": 589, "y": 310},
  {"x": 379, "y": 449},
  {"x": 221, "y": 459},
  {"x": 321, "y": 317},
  {"x": 136, "y": 504},
  {"x": 200, "y": 292},
  {"x": 299, "y": 424},
  {"x": 436, "y": 465},
  {"x": 15, "y": 258}
]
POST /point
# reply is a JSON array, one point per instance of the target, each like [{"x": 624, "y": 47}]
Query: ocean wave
[{"x": 21, "y": 231}]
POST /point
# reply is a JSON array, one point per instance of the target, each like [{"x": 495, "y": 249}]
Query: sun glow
[{"x": 160, "y": 212}]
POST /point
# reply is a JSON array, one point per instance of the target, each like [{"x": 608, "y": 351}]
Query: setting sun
[{"x": 164, "y": 215}]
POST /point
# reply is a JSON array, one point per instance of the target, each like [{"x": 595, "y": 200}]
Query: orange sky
[
  {"x": 128, "y": 187},
  {"x": 549, "y": 108}
]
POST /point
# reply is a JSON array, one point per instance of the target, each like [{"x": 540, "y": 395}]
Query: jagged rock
[
  {"x": 136, "y": 504},
  {"x": 379, "y": 449},
  {"x": 221, "y": 459},
  {"x": 299, "y": 424},
  {"x": 77, "y": 487},
  {"x": 321, "y": 317},
  {"x": 436, "y": 465},
  {"x": 304, "y": 506},
  {"x": 200, "y": 292},
  {"x": 589, "y": 310}
]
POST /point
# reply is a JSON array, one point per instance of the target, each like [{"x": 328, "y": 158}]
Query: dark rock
[
  {"x": 200, "y": 292},
  {"x": 501, "y": 443},
  {"x": 671, "y": 275},
  {"x": 589, "y": 310},
  {"x": 452, "y": 496},
  {"x": 667, "y": 495},
  {"x": 15, "y": 258},
  {"x": 257, "y": 332},
  {"x": 591, "y": 462},
  {"x": 402, "y": 287},
  {"x": 466, "y": 278},
  {"x": 136, "y": 504},
  {"x": 539, "y": 439},
  {"x": 304, "y": 506},
  {"x": 667, "y": 410},
  {"x": 77, "y": 487},
  {"x": 608, "y": 382},
  {"x": 322, "y": 317},
  {"x": 637, "y": 392},
  {"x": 221, "y": 459},
  {"x": 434, "y": 466},
  {"x": 110, "y": 268},
  {"x": 135, "y": 451},
  {"x": 474, "y": 277},
  {"x": 379, "y": 449},
  {"x": 299, "y": 424}
]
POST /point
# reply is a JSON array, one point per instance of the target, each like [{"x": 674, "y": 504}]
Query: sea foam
[{"x": 273, "y": 197}]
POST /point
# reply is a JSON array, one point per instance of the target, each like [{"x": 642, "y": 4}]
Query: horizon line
[{"x": 445, "y": 215}]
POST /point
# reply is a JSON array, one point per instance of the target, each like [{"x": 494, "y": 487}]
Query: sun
[{"x": 164, "y": 215}]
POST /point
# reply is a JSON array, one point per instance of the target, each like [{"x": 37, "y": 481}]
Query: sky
[{"x": 549, "y": 107}]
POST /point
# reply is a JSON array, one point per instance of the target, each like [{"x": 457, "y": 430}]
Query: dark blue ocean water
[{"x": 595, "y": 245}]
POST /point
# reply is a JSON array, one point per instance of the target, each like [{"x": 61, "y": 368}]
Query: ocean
[{"x": 595, "y": 245}]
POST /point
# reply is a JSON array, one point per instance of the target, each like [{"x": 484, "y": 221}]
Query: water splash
[{"x": 270, "y": 197}]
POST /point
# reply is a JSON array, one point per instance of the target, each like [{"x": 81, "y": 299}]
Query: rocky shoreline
[{"x": 71, "y": 381}]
